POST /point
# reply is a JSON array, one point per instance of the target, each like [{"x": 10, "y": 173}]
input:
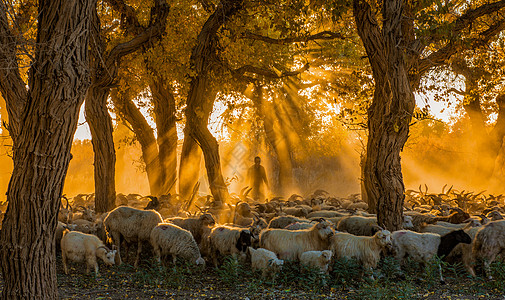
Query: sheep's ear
[{"x": 114, "y": 248}]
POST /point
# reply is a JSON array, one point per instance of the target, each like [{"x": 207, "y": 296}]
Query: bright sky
[{"x": 438, "y": 109}]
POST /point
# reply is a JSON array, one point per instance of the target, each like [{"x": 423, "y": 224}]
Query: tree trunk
[
  {"x": 390, "y": 112},
  {"x": 100, "y": 125},
  {"x": 106, "y": 66},
  {"x": 276, "y": 140},
  {"x": 199, "y": 104},
  {"x": 164, "y": 110},
  {"x": 145, "y": 135},
  {"x": 189, "y": 168},
  {"x": 58, "y": 83}
]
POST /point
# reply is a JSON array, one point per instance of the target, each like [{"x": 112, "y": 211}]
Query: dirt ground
[{"x": 182, "y": 282}]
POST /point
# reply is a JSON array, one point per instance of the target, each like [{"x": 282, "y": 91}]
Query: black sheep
[{"x": 451, "y": 240}]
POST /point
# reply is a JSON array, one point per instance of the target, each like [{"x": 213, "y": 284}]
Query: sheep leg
[
  {"x": 91, "y": 262},
  {"x": 440, "y": 272},
  {"x": 468, "y": 261},
  {"x": 157, "y": 254},
  {"x": 139, "y": 249},
  {"x": 116, "y": 237},
  {"x": 64, "y": 261},
  {"x": 487, "y": 265}
]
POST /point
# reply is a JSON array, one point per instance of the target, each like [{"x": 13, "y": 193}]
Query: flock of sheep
[{"x": 313, "y": 231}]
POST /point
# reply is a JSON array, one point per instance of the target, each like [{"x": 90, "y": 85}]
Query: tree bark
[
  {"x": 189, "y": 167},
  {"x": 43, "y": 138},
  {"x": 106, "y": 66},
  {"x": 203, "y": 59},
  {"x": 390, "y": 112},
  {"x": 100, "y": 125},
  {"x": 164, "y": 110},
  {"x": 145, "y": 135}
]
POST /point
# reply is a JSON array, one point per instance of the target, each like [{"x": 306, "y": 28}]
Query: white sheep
[
  {"x": 365, "y": 249},
  {"x": 290, "y": 244},
  {"x": 489, "y": 242},
  {"x": 198, "y": 226},
  {"x": 227, "y": 240},
  {"x": 77, "y": 247},
  {"x": 264, "y": 260},
  {"x": 423, "y": 247},
  {"x": 133, "y": 225},
  {"x": 317, "y": 259},
  {"x": 170, "y": 239}
]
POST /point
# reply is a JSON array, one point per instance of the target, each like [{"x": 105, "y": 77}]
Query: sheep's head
[
  {"x": 200, "y": 261},
  {"x": 326, "y": 256},
  {"x": 106, "y": 255},
  {"x": 324, "y": 229},
  {"x": 207, "y": 220},
  {"x": 383, "y": 238},
  {"x": 407, "y": 222},
  {"x": 244, "y": 240},
  {"x": 275, "y": 262},
  {"x": 495, "y": 215}
]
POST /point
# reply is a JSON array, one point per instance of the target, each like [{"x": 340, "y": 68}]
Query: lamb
[
  {"x": 283, "y": 221},
  {"x": 488, "y": 243},
  {"x": 198, "y": 226},
  {"x": 133, "y": 225},
  {"x": 264, "y": 260},
  {"x": 317, "y": 259},
  {"x": 170, "y": 239},
  {"x": 77, "y": 247},
  {"x": 365, "y": 249},
  {"x": 227, "y": 240},
  {"x": 289, "y": 245},
  {"x": 423, "y": 247}
]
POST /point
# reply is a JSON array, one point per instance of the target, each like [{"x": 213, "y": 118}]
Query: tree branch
[
  {"x": 12, "y": 87},
  {"x": 442, "y": 56},
  {"x": 467, "y": 19},
  {"x": 240, "y": 72},
  {"x": 370, "y": 34},
  {"x": 129, "y": 20},
  {"x": 454, "y": 90},
  {"x": 324, "y": 35},
  {"x": 110, "y": 63}
]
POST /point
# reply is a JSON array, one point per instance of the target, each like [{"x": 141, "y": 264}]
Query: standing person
[{"x": 257, "y": 176}]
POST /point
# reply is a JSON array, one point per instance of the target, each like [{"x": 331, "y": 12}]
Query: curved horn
[{"x": 66, "y": 199}]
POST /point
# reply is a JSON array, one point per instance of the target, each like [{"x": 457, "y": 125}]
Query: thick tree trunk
[
  {"x": 145, "y": 135},
  {"x": 164, "y": 110},
  {"x": 390, "y": 113},
  {"x": 58, "y": 83},
  {"x": 199, "y": 103},
  {"x": 100, "y": 125},
  {"x": 189, "y": 168}
]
